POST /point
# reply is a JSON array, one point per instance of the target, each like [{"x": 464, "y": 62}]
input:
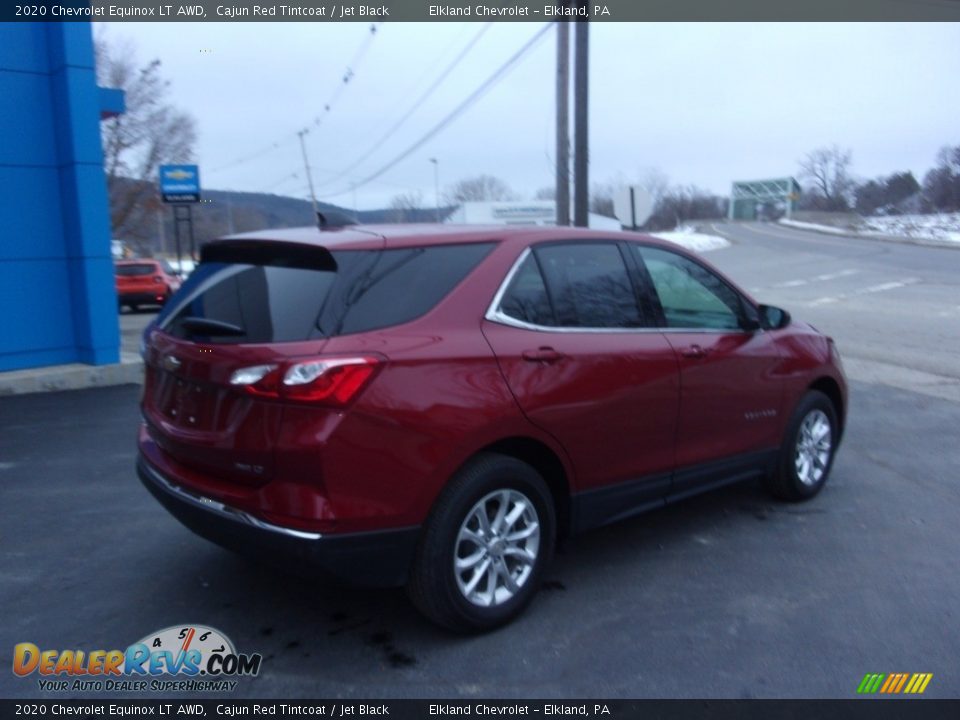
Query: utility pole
[
  {"x": 581, "y": 197},
  {"x": 306, "y": 165},
  {"x": 563, "y": 124},
  {"x": 436, "y": 185}
]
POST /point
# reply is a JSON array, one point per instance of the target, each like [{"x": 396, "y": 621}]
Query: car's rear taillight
[{"x": 325, "y": 381}]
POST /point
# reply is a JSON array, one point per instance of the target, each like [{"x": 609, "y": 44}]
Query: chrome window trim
[
  {"x": 218, "y": 508},
  {"x": 495, "y": 314}
]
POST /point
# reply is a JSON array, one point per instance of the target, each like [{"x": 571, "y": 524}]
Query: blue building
[{"x": 56, "y": 274}]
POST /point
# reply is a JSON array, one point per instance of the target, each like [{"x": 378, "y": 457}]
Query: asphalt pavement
[{"x": 728, "y": 595}]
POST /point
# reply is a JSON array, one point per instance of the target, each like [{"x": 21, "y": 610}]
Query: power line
[
  {"x": 470, "y": 100},
  {"x": 413, "y": 107},
  {"x": 328, "y": 106},
  {"x": 348, "y": 73}
]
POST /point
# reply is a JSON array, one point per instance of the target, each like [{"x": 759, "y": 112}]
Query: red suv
[
  {"x": 435, "y": 406},
  {"x": 145, "y": 282}
]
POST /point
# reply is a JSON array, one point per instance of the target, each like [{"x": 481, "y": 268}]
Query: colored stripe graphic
[
  {"x": 918, "y": 683},
  {"x": 870, "y": 683},
  {"x": 894, "y": 683}
]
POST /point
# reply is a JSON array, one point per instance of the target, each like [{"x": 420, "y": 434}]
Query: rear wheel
[
  {"x": 485, "y": 546},
  {"x": 806, "y": 456}
]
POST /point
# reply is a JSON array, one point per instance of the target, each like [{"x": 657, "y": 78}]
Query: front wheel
[
  {"x": 806, "y": 456},
  {"x": 485, "y": 546}
]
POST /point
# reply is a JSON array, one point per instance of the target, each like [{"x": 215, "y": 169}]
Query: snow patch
[
  {"x": 939, "y": 227},
  {"x": 689, "y": 238},
  {"x": 815, "y": 226}
]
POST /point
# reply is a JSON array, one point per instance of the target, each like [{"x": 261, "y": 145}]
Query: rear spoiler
[{"x": 269, "y": 252}]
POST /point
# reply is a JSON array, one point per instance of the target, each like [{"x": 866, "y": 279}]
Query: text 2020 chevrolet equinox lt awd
[{"x": 434, "y": 406}]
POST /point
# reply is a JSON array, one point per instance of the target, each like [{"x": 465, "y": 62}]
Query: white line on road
[
  {"x": 818, "y": 278},
  {"x": 801, "y": 235},
  {"x": 807, "y": 281},
  {"x": 882, "y": 287}
]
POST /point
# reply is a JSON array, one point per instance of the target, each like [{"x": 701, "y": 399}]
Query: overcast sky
[{"x": 704, "y": 103}]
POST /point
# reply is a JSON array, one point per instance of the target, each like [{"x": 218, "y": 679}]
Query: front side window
[{"x": 691, "y": 296}]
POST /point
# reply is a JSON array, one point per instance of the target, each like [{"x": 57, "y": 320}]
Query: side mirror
[{"x": 774, "y": 318}]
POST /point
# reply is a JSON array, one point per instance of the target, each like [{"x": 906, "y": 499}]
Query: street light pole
[{"x": 436, "y": 184}]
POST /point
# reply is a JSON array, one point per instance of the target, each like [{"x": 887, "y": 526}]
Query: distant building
[{"x": 520, "y": 212}]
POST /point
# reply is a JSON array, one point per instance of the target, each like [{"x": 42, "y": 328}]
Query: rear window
[
  {"x": 359, "y": 291},
  {"x": 136, "y": 270}
]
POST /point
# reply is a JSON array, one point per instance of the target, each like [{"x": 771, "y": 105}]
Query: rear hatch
[
  {"x": 246, "y": 336},
  {"x": 246, "y": 305},
  {"x": 139, "y": 277}
]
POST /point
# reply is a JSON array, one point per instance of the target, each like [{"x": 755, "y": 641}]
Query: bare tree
[
  {"x": 941, "y": 186},
  {"x": 656, "y": 182},
  {"x": 404, "y": 205},
  {"x": 482, "y": 188},
  {"x": 653, "y": 180},
  {"x": 546, "y": 193},
  {"x": 149, "y": 133},
  {"x": 601, "y": 198},
  {"x": 827, "y": 171}
]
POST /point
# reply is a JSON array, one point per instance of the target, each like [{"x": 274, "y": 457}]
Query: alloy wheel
[
  {"x": 496, "y": 548},
  {"x": 814, "y": 445}
]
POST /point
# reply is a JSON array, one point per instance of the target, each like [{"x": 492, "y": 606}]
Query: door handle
[
  {"x": 694, "y": 352},
  {"x": 543, "y": 354}
]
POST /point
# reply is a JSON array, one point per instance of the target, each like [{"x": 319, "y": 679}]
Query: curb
[{"x": 72, "y": 377}]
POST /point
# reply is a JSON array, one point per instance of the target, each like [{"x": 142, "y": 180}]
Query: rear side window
[
  {"x": 399, "y": 286},
  {"x": 299, "y": 299},
  {"x": 136, "y": 270},
  {"x": 526, "y": 297},
  {"x": 589, "y": 285}
]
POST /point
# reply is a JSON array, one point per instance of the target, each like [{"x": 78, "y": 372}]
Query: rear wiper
[{"x": 206, "y": 326}]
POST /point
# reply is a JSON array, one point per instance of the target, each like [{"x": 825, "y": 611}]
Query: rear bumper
[
  {"x": 142, "y": 297},
  {"x": 374, "y": 559}
]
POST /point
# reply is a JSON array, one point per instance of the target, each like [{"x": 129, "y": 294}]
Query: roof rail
[{"x": 334, "y": 220}]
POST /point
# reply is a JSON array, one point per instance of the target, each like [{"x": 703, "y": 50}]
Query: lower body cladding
[{"x": 373, "y": 559}]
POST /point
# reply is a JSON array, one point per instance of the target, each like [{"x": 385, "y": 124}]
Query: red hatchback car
[
  {"x": 435, "y": 406},
  {"x": 145, "y": 282}
]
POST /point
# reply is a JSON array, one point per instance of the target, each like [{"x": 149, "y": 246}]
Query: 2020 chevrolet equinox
[{"x": 433, "y": 406}]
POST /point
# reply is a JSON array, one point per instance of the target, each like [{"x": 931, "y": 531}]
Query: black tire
[
  {"x": 434, "y": 586},
  {"x": 788, "y": 481}
]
